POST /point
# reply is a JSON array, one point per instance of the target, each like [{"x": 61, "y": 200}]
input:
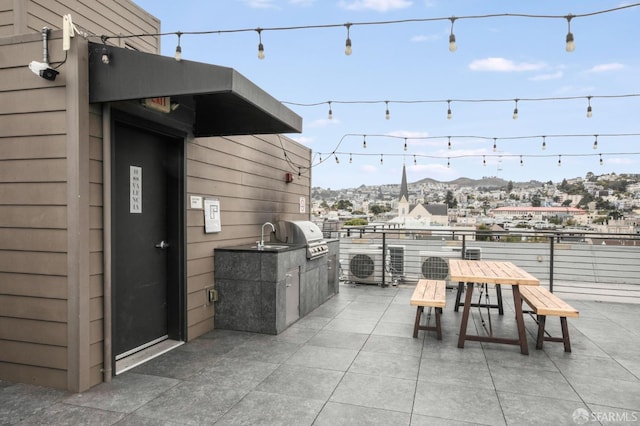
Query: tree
[
  {"x": 566, "y": 203},
  {"x": 535, "y": 200},
  {"x": 356, "y": 222},
  {"x": 450, "y": 200},
  {"x": 510, "y": 186},
  {"x": 343, "y": 205},
  {"x": 377, "y": 209}
]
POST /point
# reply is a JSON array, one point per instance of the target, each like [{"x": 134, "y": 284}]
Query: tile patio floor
[{"x": 353, "y": 362}]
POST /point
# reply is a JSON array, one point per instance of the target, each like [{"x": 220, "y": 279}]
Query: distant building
[
  {"x": 418, "y": 215},
  {"x": 539, "y": 213}
]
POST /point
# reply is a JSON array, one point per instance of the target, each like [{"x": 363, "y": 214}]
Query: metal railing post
[
  {"x": 384, "y": 257},
  {"x": 551, "y": 255}
]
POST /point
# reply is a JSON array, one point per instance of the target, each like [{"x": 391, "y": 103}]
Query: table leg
[
  {"x": 522, "y": 334},
  {"x": 465, "y": 315}
]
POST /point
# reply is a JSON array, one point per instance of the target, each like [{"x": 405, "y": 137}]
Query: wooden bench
[
  {"x": 545, "y": 303},
  {"x": 432, "y": 294}
]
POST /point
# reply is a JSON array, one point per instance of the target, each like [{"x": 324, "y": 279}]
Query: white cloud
[
  {"x": 607, "y": 67},
  {"x": 322, "y": 122},
  {"x": 544, "y": 77},
  {"x": 504, "y": 65},
  {"x": 377, "y": 5},
  {"x": 261, "y": 4},
  {"x": 302, "y": 2},
  {"x": 423, "y": 38}
]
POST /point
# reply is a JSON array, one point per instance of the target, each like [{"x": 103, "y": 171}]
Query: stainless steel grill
[{"x": 305, "y": 233}]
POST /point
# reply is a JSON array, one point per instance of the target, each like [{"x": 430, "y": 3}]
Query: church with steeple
[{"x": 418, "y": 215}]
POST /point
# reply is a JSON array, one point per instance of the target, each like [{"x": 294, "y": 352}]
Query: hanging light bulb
[
  {"x": 347, "y": 45},
  {"x": 405, "y": 144},
  {"x": 495, "y": 146},
  {"x": 449, "y": 144},
  {"x": 260, "y": 45},
  {"x": 381, "y": 160},
  {"x": 337, "y": 159},
  {"x": 178, "y": 54},
  {"x": 515, "y": 110},
  {"x": 484, "y": 161},
  {"x": 319, "y": 158},
  {"x": 415, "y": 162},
  {"x": 448, "y": 163},
  {"x": 559, "y": 160},
  {"x": 595, "y": 143},
  {"x": 350, "y": 159},
  {"x": 521, "y": 162},
  {"x": 571, "y": 45},
  {"x": 387, "y": 114},
  {"x": 330, "y": 115},
  {"x": 449, "y": 114},
  {"x": 589, "y": 110},
  {"x": 364, "y": 141},
  {"x": 452, "y": 38},
  {"x": 544, "y": 143},
  {"x": 601, "y": 162}
]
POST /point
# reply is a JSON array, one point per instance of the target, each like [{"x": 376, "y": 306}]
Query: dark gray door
[{"x": 143, "y": 237}]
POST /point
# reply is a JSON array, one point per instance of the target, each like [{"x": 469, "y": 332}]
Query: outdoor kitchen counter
[{"x": 267, "y": 290}]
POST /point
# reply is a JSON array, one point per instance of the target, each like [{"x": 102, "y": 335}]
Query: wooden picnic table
[{"x": 491, "y": 272}]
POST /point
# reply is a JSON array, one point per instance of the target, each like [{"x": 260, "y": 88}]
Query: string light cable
[{"x": 570, "y": 40}]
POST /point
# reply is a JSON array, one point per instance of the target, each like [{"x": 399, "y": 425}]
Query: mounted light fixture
[
  {"x": 106, "y": 55},
  {"x": 43, "y": 69}
]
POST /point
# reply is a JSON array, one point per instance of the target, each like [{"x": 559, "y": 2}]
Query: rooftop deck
[{"x": 353, "y": 361}]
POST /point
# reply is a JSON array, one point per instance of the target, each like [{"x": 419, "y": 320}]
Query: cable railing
[{"x": 575, "y": 263}]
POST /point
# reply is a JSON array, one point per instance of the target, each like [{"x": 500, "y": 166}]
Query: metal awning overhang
[{"x": 226, "y": 103}]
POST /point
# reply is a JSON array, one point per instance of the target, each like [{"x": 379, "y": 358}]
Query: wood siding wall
[
  {"x": 109, "y": 17},
  {"x": 51, "y": 218},
  {"x": 246, "y": 173}
]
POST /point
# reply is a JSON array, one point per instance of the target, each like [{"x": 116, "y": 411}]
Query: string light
[
  {"x": 448, "y": 163},
  {"x": 452, "y": 38},
  {"x": 495, "y": 146},
  {"x": 350, "y": 158},
  {"x": 106, "y": 57},
  {"x": 449, "y": 143},
  {"x": 544, "y": 143},
  {"x": 178, "y": 55},
  {"x": 348, "y": 50},
  {"x": 571, "y": 45},
  {"x": 484, "y": 161},
  {"x": 260, "y": 45},
  {"x": 330, "y": 115},
  {"x": 589, "y": 110},
  {"x": 337, "y": 159},
  {"x": 381, "y": 160},
  {"x": 601, "y": 162},
  {"x": 521, "y": 162},
  {"x": 559, "y": 160},
  {"x": 387, "y": 114},
  {"x": 449, "y": 114},
  {"x": 364, "y": 141},
  {"x": 515, "y": 110},
  {"x": 405, "y": 144},
  {"x": 415, "y": 162},
  {"x": 595, "y": 143}
]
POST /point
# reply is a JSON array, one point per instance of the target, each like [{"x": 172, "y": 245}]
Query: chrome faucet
[{"x": 273, "y": 228}]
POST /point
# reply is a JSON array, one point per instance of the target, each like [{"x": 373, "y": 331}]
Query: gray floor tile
[
  {"x": 510, "y": 356},
  {"x": 608, "y": 392},
  {"x": 261, "y": 408},
  {"x": 359, "y": 314},
  {"x": 338, "y": 339},
  {"x": 351, "y": 325},
  {"x": 336, "y": 414},
  {"x": 324, "y": 358},
  {"x": 400, "y": 314},
  {"x": 72, "y": 415},
  {"x": 596, "y": 366},
  {"x": 532, "y": 382},
  {"x": 192, "y": 403},
  {"x": 234, "y": 373},
  {"x": 387, "y": 393},
  {"x": 474, "y": 374},
  {"x": 420, "y": 420},
  {"x": 394, "y": 345},
  {"x": 176, "y": 364},
  {"x": 522, "y": 409},
  {"x": 264, "y": 350},
  {"x": 135, "y": 420},
  {"x": 386, "y": 328},
  {"x": 19, "y": 401},
  {"x": 304, "y": 382},
  {"x": 459, "y": 403},
  {"x": 388, "y": 365},
  {"x": 125, "y": 393}
]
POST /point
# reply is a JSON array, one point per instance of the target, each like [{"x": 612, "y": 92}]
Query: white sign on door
[
  {"x": 135, "y": 189},
  {"x": 303, "y": 205}
]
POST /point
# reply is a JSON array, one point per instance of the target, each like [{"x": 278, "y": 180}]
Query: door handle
[{"x": 162, "y": 245}]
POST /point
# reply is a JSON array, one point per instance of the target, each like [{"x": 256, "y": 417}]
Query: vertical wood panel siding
[{"x": 247, "y": 174}]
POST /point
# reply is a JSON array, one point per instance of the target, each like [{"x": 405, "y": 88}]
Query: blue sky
[{"x": 500, "y": 59}]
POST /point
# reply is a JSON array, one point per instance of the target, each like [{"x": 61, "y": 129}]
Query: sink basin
[{"x": 272, "y": 247}]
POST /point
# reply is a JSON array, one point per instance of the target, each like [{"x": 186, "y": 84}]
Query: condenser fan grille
[
  {"x": 435, "y": 268},
  {"x": 361, "y": 266}
]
